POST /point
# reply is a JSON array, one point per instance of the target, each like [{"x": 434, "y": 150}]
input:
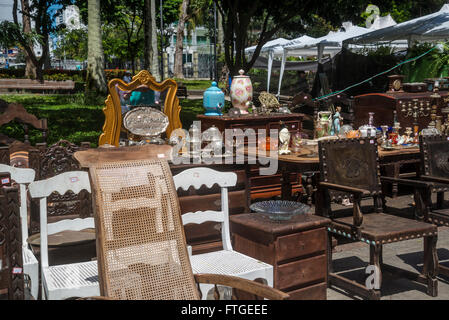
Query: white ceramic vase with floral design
[{"x": 241, "y": 92}]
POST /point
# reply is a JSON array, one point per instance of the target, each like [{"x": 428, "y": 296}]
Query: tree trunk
[
  {"x": 147, "y": 51},
  {"x": 95, "y": 81},
  {"x": 30, "y": 68},
  {"x": 180, "y": 38},
  {"x": 220, "y": 36},
  {"x": 154, "y": 56}
]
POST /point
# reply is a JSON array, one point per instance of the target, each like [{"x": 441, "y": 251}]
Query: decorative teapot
[{"x": 213, "y": 100}]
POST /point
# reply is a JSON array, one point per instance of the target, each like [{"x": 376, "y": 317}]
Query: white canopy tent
[
  {"x": 429, "y": 28},
  {"x": 272, "y": 49},
  {"x": 329, "y": 44}
]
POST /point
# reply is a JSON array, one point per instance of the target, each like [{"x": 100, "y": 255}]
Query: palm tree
[{"x": 96, "y": 80}]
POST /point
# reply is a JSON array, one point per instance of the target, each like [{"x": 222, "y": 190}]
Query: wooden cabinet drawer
[
  {"x": 301, "y": 244},
  {"x": 315, "y": 292},
  {"x": 300, "y": 272}
]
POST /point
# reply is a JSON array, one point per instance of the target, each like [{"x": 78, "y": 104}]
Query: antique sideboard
[{"x": 383, "y": 105}]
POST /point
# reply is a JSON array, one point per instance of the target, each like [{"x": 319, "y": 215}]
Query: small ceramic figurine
[
  {"x": 284, "y": 140},
  {"x": 337, "y": 119}
]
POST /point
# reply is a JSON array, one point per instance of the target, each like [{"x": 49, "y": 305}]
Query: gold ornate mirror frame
[{"x": 113, "y": 111}]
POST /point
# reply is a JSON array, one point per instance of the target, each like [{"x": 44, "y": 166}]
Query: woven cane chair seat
[
  {"x": 140, "y": 234},
  {"x": 228, "y": 262},
  {"x": 61, "y": 280}
]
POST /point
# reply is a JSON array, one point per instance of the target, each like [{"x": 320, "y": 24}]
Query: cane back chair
[
  {"x": 141, "y": 246},
  {"x": 351, "y": 166}
]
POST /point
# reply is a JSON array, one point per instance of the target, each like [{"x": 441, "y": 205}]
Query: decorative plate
[
  {"x": 145, "y": 121},
  {"x": 280, "y": 209}
]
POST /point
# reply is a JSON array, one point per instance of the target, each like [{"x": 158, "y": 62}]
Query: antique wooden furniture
[
  {"x": 66, "y": 280},
  {"x": 226, "y": 261},
  {"x": 15, "y": 111},
  {"x": 142, "y": 252},
  {"x": 351, "y": 166},
  {"x": 435, "y": 173},
  {"x": 296, "y": 248},
  {"x": 23, "y": 177},
  {"x": 49, "y": 161},
  {"x": 383, "y": 105},
  {"x": 268, "y": 186},
  {"x": 11, "y": 259},
  {"x": 113, "y": 109}
]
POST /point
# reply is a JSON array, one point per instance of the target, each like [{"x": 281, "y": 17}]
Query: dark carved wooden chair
[
  {"x": 303, "y": 103},
  {"x": 49, "y": 162},
  {"x": 11, "y": 267},
  {"x": 435, "y": 174},
  {"x": 351, "y": 166},
  {"x": 19, "y": 150}
]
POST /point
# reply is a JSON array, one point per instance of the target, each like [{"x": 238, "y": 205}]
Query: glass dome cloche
[{"x": 213, "y": 100}]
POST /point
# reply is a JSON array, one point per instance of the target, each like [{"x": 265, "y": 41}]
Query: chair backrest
[
  {"x": 434, "y": 155},
  {"x": 141, "y": 246},
  {"x": 49, "y": 162},
  {"x": 350, "y": 162},
  {"x": 197, "y": 177},
  {"x": 74, "y": 181},
  {"x": 15, "y": 111},
  {"x": 23, "y": 177}
]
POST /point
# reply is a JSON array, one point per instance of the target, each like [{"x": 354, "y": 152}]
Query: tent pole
[
  {"x": 270, "y": 66},
  {"x": 281, "y": 74}
]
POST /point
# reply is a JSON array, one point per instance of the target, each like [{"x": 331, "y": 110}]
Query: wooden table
[
  {"x": 296, "y": 248},
  {"x": 391, "y": 161}
]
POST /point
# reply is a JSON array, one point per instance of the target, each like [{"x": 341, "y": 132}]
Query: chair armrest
[
  {"x": 340, "y": 187},
  {"x": 407, "y": 182},
  {"x": 435, "y": 179},
  {"x": 252, "y": 287}
]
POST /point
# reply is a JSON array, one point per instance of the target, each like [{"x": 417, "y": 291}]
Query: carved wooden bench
[{"x": 182, "y": 91}]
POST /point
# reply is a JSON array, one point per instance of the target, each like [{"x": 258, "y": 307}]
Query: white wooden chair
[
  {"x": 68, "y": 280},
  {"x": 24, "y": 176},
  {"x": 226, "y": 261}
]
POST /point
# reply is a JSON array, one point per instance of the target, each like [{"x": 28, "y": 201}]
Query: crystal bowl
[{"x": 280, "y": 209}]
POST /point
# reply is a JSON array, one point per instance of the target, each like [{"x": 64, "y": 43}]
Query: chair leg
[
  {"x": 330, "y": 268},
  {"x": 376, "y": 259},
  {"x": 430, "y": 268}
]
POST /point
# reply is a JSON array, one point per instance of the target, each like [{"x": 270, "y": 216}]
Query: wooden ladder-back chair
[
  {"x": 141, "y": 245},
  {"x": 351, "y": 166},
  {"x": 65, "y": 280},
  {"x": 226, "y": 261},
  {"x": 23, "y": 177}
]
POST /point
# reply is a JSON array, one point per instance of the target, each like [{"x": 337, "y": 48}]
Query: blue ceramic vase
[{"x": 213, "y": 100}]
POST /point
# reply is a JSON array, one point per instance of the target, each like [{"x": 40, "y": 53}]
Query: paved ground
[{"x": 352, "y": 258}]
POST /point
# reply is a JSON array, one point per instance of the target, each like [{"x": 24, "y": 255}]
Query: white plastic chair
[
  {"x": 68, "y": 280},
  {"x": 24, "y": 176},
  {"x": 226, "y": 261}
]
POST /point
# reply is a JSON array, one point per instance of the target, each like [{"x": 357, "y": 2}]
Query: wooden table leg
[{"x": 286, "y": 188}]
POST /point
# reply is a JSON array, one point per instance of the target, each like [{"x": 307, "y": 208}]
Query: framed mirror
[{"x": 142, "y": 91}]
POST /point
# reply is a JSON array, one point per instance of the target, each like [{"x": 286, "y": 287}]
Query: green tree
[{"x": 73, "y": 44}]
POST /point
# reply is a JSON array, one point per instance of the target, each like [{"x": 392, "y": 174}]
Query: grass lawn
[
  {"x": 68, "y": 118},
  {"x": 198, "y": 84}
]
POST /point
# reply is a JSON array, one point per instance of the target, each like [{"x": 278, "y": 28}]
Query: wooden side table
[{"x": 296, "y": 248}]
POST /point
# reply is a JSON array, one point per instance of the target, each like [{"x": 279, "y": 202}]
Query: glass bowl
[{"x": 280, "y": 209}]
